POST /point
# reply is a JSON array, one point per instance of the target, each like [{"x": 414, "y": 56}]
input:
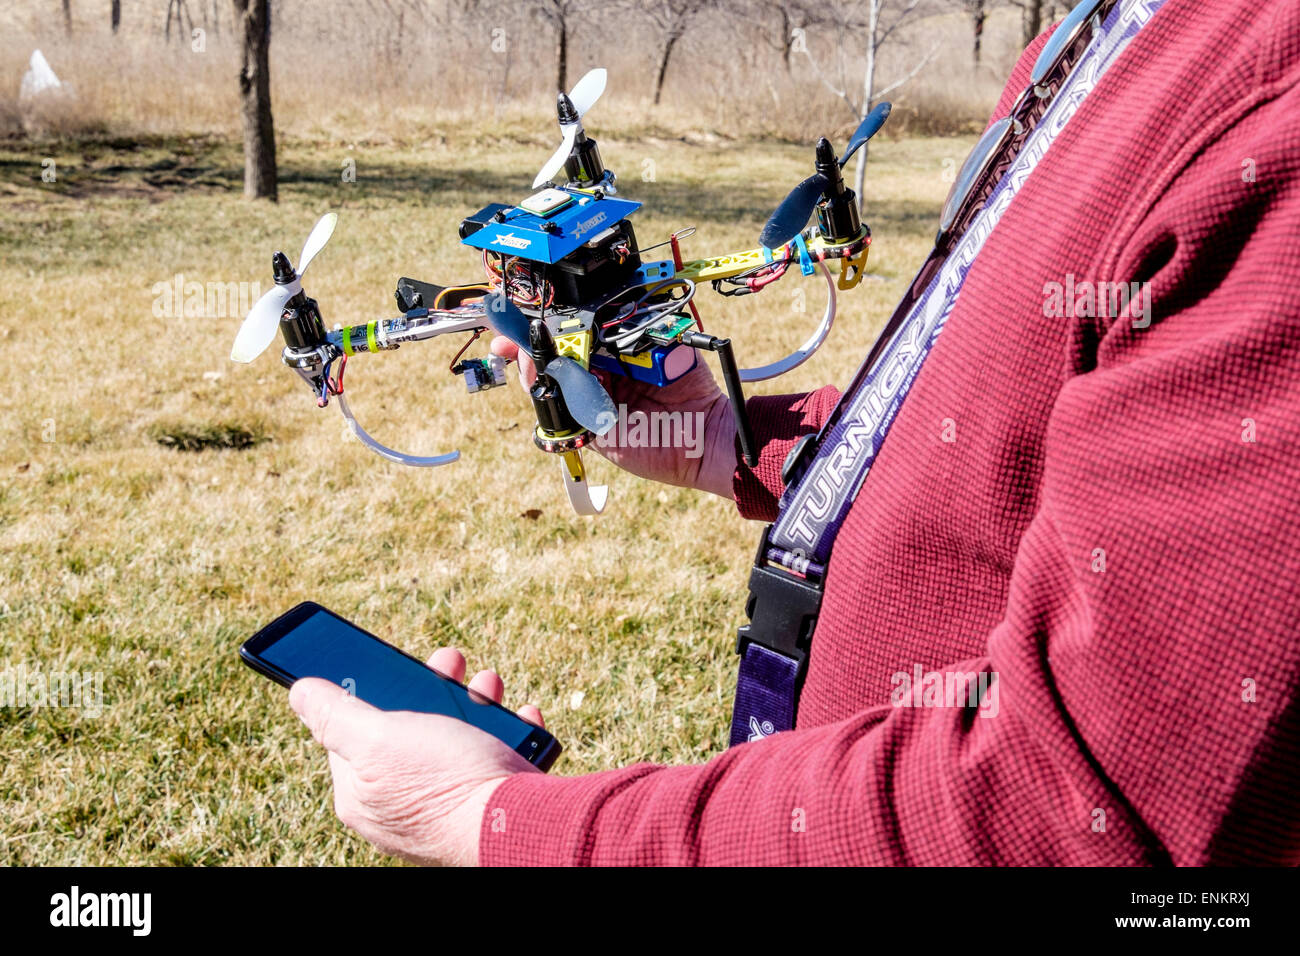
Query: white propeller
[
  {"x": 259, "y": 328},
  {"x": 587, "y": 90},
  {"x": 583, "y": 96}
]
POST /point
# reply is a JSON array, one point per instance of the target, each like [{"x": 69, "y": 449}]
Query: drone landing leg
[
  {"x": 805, "y": 351},
  {"x": 585, "y": 498},
  {"x": 383, "y": 450}
]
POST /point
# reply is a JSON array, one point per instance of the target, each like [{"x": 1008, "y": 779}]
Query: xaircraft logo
[
  {"x": 73, "y": 909},
  {"x": 584, "y": 227},
  {"x": 511, "y": 241}
]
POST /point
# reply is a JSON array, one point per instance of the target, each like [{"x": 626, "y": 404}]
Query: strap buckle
[
  {"x": 782, "y": 609},
  {"x": 796, "y": 460}
]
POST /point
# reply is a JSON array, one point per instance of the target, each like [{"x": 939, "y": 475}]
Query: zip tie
[{"x": 805, "y": 260}]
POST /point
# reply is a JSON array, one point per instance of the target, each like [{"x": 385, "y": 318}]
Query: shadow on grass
[{"x": 163, "y": 168}]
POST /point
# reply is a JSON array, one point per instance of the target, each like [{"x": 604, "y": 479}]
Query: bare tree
[
  {"x": 978, "y": 11},
  {"x": 179, "y": 7},
  {"x": 878, "y": 22},
  {"x": 560, "y": 16},
  {"x": 670, "y": 19},
  {"x": 253, "y": 27},
  {"x": 1031, "y": 19},
  {"x": 115, "y": 14},
  {"x": 763, "y": 28},
  {"x": 1037, "y": 15},
  {"x": 795, "y": 19},
  {"x": 397, "y": 12},
  {"x": 67, "y": 17}
]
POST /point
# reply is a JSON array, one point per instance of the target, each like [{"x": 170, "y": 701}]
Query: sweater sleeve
[
  {"x": 778, "y": 421},
  {"x": 1137, "y": 702}
]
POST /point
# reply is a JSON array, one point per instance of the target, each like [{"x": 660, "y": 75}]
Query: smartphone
[{"x": 310, "y": 641}]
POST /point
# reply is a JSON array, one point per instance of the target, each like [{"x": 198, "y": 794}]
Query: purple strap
[{"x": 766, "y": 693}]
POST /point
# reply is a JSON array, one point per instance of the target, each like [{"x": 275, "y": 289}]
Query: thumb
[{"x": 341, "y": 723}]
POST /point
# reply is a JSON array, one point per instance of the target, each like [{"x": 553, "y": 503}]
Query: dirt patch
[{"x": 203, "y": 436}]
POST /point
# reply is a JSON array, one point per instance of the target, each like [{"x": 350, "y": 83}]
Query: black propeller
[
  {"x": 584, "y": 396},
  {"x": 792, "y": 215}
]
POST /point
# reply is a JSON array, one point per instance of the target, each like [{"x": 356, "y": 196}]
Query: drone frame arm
[
  {"x": 385, "y": 335},
  {"x": 852, "y": 256}
]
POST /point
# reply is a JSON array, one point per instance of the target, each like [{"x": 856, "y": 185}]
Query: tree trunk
[
  {"x": 787, "y": 37},
  {"x": 562, "y": 56},
  {"x": 868, "y": 96},
  {"x": 1031, "y": 21},
  {"x": 115, "y": 14},
  {"x": 665, "y": 56},
  {"x": 253, "y": 25},
  {"x": 67, "y": 17},
  {"x": 978, "y": 14}
]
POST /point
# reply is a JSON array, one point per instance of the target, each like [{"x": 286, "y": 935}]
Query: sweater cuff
[
  {"x": 778, "y": 421},
  {"x": 533, "y": 819}
]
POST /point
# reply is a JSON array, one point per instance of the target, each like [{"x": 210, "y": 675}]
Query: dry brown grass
[{"x": 340, "y": 72}]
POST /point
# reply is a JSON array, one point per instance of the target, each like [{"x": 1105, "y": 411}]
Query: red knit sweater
[{"x": 1113, "y": 533}]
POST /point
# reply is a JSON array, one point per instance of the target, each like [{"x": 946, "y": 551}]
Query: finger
[
  {"x": 346, "y": 804},
  {"x": 341, "y": 723},
  {"x": 449, "y": 662},
  {"x": 531, "y": 714},
  {"x": 489, "y": 684},
  {"x": 527, "y": 370},
  {"x": 503, "y": 347}
]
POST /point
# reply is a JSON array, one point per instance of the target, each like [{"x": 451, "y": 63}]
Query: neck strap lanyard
[{"x": 825, "y": 472}]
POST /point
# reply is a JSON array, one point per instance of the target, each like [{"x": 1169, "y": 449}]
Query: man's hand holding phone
[{"x": 414, "y": 785}]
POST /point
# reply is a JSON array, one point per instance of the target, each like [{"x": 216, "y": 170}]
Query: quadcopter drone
[{"x": 567, "y": 281}]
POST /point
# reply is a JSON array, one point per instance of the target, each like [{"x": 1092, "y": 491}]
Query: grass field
[{"x": 150, "y": 565}]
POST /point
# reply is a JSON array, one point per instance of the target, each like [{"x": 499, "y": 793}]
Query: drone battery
[{"x": 655, "y": 366}]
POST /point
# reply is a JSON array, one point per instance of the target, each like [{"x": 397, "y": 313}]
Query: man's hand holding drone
[{"x": 695, "y": 393}]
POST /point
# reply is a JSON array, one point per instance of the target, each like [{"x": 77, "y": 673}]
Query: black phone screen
[{"x": 325, "y": 645}]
